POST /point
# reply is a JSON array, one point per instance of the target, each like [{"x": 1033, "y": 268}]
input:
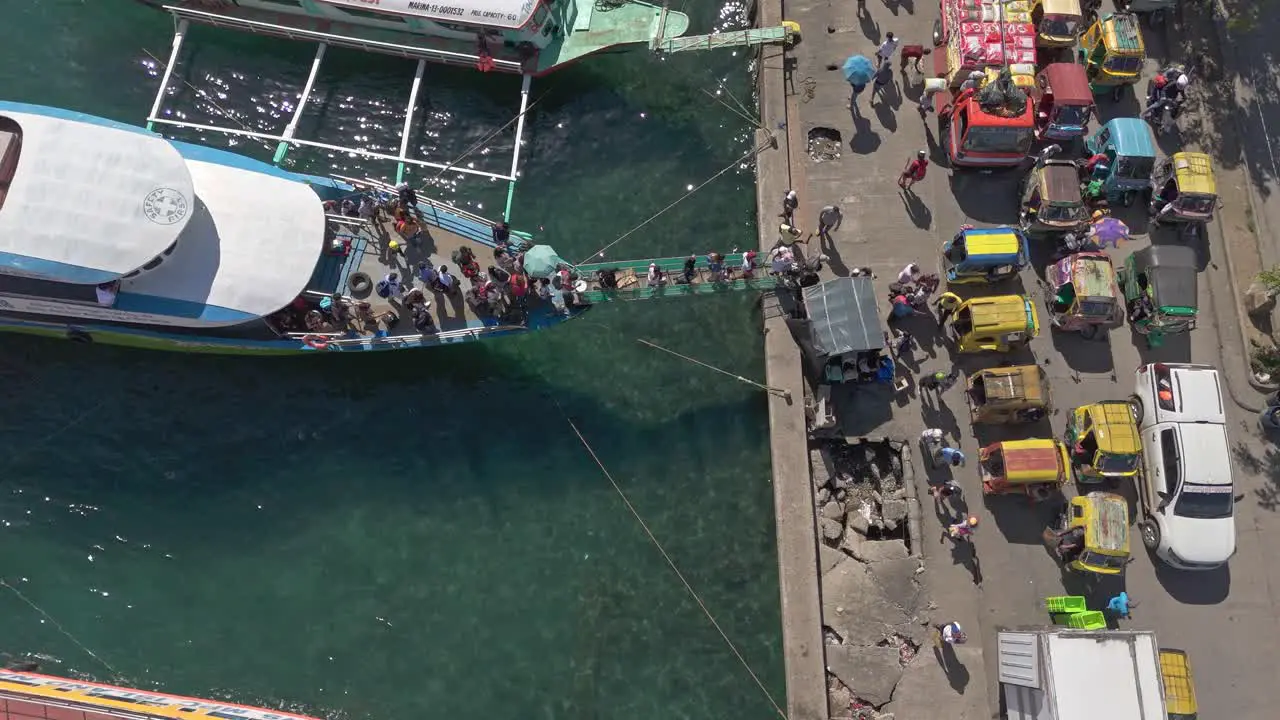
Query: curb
[
  {"x": 914, "y": 518},
  {"x": 1229, "y": 59}
]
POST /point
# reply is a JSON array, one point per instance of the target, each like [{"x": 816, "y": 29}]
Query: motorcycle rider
[{"x": 1168, "y": 89}]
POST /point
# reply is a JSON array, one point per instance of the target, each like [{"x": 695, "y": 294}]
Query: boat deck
[{"x": 372, "y": 255}]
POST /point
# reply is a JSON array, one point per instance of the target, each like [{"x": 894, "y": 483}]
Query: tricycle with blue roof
[
  {"x": 1124, "y": 154},
  {"x": 984, "y": 255}
]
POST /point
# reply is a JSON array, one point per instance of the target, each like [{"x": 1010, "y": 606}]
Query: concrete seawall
[{"x": 792, "y": 489}]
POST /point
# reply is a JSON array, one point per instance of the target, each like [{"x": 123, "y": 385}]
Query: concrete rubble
[{"x": 871, "y": 598}]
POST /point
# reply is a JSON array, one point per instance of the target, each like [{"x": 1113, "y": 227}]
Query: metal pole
[
  {"x": 292, "y": 127},
  {"x": 408, "y": 118},
  {"x": 515, "y": 156},
  {"x": 178, "y": 36}
]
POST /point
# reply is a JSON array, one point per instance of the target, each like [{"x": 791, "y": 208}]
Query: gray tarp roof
[
  {"x": 843, "y": 316},
  {"x": 1171, "y": 270}
]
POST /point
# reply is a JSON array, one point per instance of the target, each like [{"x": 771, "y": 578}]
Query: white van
[{"x": 1185, "y": 491}]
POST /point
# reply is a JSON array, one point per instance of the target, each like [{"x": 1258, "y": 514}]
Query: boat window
[{"x": 10, "y": 148}]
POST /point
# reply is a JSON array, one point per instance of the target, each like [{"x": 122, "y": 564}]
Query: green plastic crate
[
  {"x": 1069, "y": 604},
  {"x": 1090, "y": 620}
]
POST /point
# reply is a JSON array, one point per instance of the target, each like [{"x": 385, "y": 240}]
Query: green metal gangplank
[
  {"x": 633, "y": 279},
  {"x": 782, "y": 34}
]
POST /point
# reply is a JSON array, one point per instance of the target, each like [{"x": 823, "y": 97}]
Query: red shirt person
[{"x": 914, "y": 171}]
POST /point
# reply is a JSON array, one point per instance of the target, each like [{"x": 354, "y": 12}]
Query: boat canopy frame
[{"x": 183, "y": 17}]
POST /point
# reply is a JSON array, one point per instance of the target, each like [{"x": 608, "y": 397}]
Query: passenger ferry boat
[
  {"x": 527, "y": 37},
  {"x": 31, "y": 696},
  {"x": 111, "y": 233}
]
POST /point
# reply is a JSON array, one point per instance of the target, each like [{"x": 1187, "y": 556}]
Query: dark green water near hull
[{"x": 408, "y": 535}]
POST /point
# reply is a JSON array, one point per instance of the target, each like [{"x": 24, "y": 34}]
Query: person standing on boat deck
[
  {"x": 408, "y": 198},
  {"x": 748, "y": 264},
  {"x": 389, "y": 287},
  {"x": 448, "y": 283},
  {"x": 427, "y": 274},
  {"x": 502, "y": 234},
  {"x": 368, "y": 210},
  {"x": 107, "y": 292},
  {"x": 656, "y": 276},
  {"x": 499, "y": 276}
]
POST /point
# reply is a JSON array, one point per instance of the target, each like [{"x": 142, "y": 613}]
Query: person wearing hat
[{"x": 914, "y": 171}]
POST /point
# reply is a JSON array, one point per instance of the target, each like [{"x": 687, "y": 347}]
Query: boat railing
[
  {"x": 422, "y": 200},
  {"x": 265, "y": 28},
  {"x": 341, "y": 339}
]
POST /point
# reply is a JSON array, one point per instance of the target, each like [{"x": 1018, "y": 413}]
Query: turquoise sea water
[{"x": 420, "y": 534}]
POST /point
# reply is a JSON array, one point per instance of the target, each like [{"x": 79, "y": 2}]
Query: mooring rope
[
  {"x": 693, "y": 593},
  {"x": 753, "y": 151},
  {"x": 59, "y": 627},
  {"x": 778, "y": 392}
]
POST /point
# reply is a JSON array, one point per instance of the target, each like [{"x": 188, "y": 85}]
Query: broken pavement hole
[
  {"x": 824, "y": 143},
  {"x": 906, "y": 648}
]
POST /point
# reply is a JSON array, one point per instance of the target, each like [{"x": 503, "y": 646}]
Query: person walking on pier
[
  {"x": 829, "y": 219},
  {"x": 884, "y": 53},
  {"x": 790, "y": 202},
  {"x": 947, "y": 304},
  {"x": 914, "y": 171}
]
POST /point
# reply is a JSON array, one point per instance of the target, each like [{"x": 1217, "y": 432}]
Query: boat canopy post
[
  {"x": 178, "y": 36},
  {"x": 292, "y": 127},
  {"x": 515, "y": 156},
  {"x": 408, "y": 118}
]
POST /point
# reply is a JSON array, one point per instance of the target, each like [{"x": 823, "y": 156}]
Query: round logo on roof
[{"x": 165, "y": 206}]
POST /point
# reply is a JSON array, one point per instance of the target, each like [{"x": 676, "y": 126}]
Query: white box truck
[{"x": 1060, "y": 674}]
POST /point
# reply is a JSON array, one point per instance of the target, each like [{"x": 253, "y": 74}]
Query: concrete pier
[{"x": 804, "y": 659}]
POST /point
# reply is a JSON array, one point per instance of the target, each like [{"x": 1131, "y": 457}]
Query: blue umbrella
[{"x": 858, "y": 70}]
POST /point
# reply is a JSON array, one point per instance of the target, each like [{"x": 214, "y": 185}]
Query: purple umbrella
[{"x": 1109, "y": 230}]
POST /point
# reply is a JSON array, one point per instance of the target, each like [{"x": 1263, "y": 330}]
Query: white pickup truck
[{"x": 1185, "y": 489}]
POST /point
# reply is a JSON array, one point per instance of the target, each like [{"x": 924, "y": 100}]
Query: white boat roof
[
  {"x": 494, "y": 13},
  {"x": 250, "y": 248},
  {"x": 89, "y": 203}
]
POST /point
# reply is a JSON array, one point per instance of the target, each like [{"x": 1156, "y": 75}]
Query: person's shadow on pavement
[
  {"x": 919, "y": 213},
  {"x": 870, "y": 28},
  {"x": 957, "y": 674}
]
